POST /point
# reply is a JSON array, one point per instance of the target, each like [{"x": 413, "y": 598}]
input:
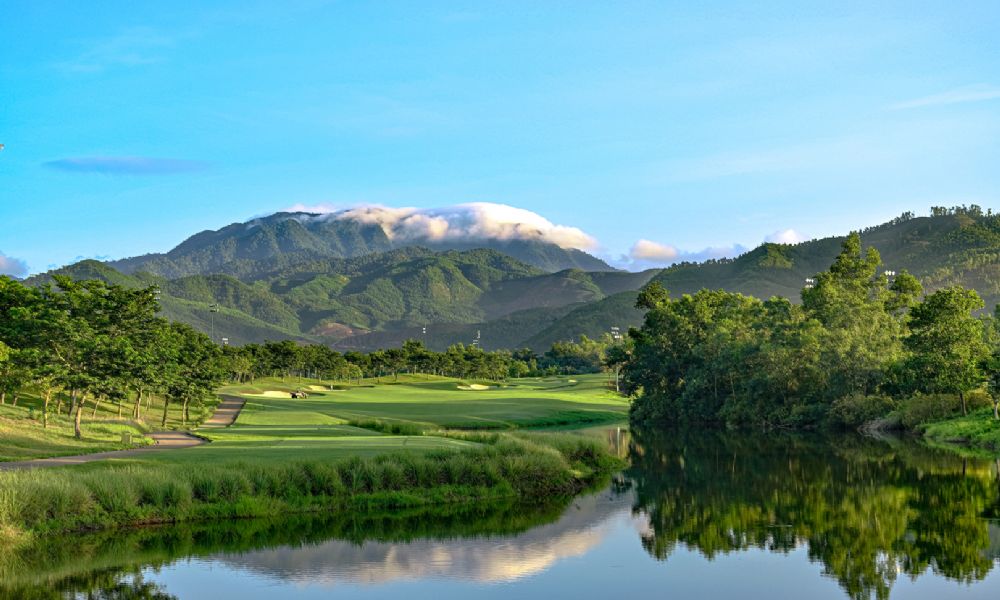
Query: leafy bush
[
  {"x": 925, "y": 408},
  {"x": 858, "y": 409}
]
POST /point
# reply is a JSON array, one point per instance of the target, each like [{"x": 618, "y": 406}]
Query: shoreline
[{"x": 39, "y": 503}]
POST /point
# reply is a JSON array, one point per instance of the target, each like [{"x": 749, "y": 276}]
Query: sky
[{"x": 661, "y": 131}]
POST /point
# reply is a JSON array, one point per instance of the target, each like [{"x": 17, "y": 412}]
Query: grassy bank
[
  {"x": 490, "y": 467},
  {"x": 976, "y": 434},
  {"x": 23, "y": 436}
]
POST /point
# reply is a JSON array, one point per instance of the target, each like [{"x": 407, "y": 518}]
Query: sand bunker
[
  {"x": 274, "y": 394},
  {"x": 319, "y": 388},
  {"x": 474, "y": 387}
]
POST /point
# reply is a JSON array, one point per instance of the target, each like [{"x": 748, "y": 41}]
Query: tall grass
[{"x": 501, "y": 466}]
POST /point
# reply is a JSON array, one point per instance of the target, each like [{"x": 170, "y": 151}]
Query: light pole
[{"x": 212, "y": 309}]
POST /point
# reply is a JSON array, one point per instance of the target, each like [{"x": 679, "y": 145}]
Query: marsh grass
[{"x": 528, "y": 467}]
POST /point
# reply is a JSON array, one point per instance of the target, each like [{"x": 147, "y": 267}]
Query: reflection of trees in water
[
  {"x": 867, "y": 510},
  {"x": 96, "y": 563},
  {"x": 103, "y": 584}
]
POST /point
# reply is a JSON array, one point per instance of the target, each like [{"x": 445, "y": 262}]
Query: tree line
[
  {"x": 863, "y": 343},
  {"x": 290, "y": 359},
  {"x": 78, "y": 344},
  {"x": 82, "y": 343}
]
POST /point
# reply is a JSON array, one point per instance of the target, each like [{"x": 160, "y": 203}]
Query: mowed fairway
[
  {"x": 438, "y": 402},
  {"x": 273, "y": 428}
]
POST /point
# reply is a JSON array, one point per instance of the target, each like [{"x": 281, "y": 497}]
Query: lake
[{"x": 695, "y": 516}]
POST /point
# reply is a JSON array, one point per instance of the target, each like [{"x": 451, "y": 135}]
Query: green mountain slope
[
  {"x": 960, "y": 246},
  {"x": 379, "y": 299},
  {"x": 272, "y": 243},
  {"x": 376, "y": 299}
]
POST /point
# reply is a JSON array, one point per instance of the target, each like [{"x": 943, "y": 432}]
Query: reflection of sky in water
[{"x": 592, "y": 551}]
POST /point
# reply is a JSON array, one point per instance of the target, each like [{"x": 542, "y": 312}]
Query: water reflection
[
  {"x": 482, "y": 559},
  {"x": 868, "y": 511},
  {"x": 874, "y": 514}
]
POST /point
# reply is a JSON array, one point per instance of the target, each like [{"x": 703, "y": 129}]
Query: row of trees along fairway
[
  {"x": 87, "y": 341},
  {"x": 79, "y": 342},
  {"x": 288, "y": 359},
  {"x": 864, "y": 343}
]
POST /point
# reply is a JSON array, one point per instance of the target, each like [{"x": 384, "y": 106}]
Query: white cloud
[
  {"x": 786, "y": 236},
  {"x": 649, "y": 251},
  {"x": 475, "y": 220},
  {"x": 12, "y": 266},
  {"x": 970, "y": 93}
]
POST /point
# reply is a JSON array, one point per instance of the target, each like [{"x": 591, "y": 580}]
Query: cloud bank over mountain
[
  {"x": 471, "y": 221},
  {"x": 486, "y": 220}
]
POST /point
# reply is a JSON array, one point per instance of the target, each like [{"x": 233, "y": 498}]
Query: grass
[
  {"x": 437, "y": 402},
  {"x": 977, "y": 434},
  {"x": 492, "y": 466},
  {"x": 415, "y": 441},
  {"x": 24, "y": 438}
]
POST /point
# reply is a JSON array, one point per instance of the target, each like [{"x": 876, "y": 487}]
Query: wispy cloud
[
  {"x": 969, "y": 93},
  {"x": 131, "y": 47},
  {"x": 12, "y": 266},
  {"x": 839, "y": 152},
  {"x": 126, "y": 165}
]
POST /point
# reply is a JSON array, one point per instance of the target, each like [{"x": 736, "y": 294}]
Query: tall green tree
[{"x": 947, "y": 343}]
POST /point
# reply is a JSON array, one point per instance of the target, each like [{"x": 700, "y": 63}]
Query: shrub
[
  {"x": 924, "y": 408},
  {"x": 857, "y": 409}
]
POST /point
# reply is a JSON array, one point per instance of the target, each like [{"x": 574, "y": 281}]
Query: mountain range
[{"x": 348, "y": 284}]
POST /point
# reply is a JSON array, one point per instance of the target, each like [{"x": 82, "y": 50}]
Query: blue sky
[{"x": 129, "y": 126}]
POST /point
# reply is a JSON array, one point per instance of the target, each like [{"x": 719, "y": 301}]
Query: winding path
[{"x": 225, "y": 415}]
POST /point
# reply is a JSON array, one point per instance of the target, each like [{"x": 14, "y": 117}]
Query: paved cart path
[{"x": 225, "y": 415}]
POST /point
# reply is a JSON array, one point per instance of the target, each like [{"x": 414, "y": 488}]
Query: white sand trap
[
  {"x": 474, "y": 387},
  {"x": 572, "y": 381},
  {"x": 319, "y": 388},
  {"x": 274, "y": 394}
]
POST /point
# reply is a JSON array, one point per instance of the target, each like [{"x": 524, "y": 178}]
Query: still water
[{"x": 707, "y": 516}]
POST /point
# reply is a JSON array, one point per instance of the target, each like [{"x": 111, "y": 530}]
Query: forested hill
[
  {"x": 377, "y": 299},
  {"x": 953, "y": 246},
  {"x": 248, "y": 250},
  {"x": 381, "y": 298}
]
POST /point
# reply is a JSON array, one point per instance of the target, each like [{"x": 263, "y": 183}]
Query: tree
[
  {"x": 947, "y": 343},
  {"x": 861, "y": 336}
]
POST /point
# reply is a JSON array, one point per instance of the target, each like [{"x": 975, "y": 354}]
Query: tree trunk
[
  {"x": 184, "y": 412},
  {"x": 14, "y": 403},
  {"x": 73, "y": 402},
  {"x": 138, "y": 404},
  {"x": 965, "y": 409},
  {"x": 3, "y": 397},
  {"x": 45, "y": 408},
  {"x": 166, "y": 404},
  {"x": 76, "y": 419},
  {"x": 97, "y": 404}
]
